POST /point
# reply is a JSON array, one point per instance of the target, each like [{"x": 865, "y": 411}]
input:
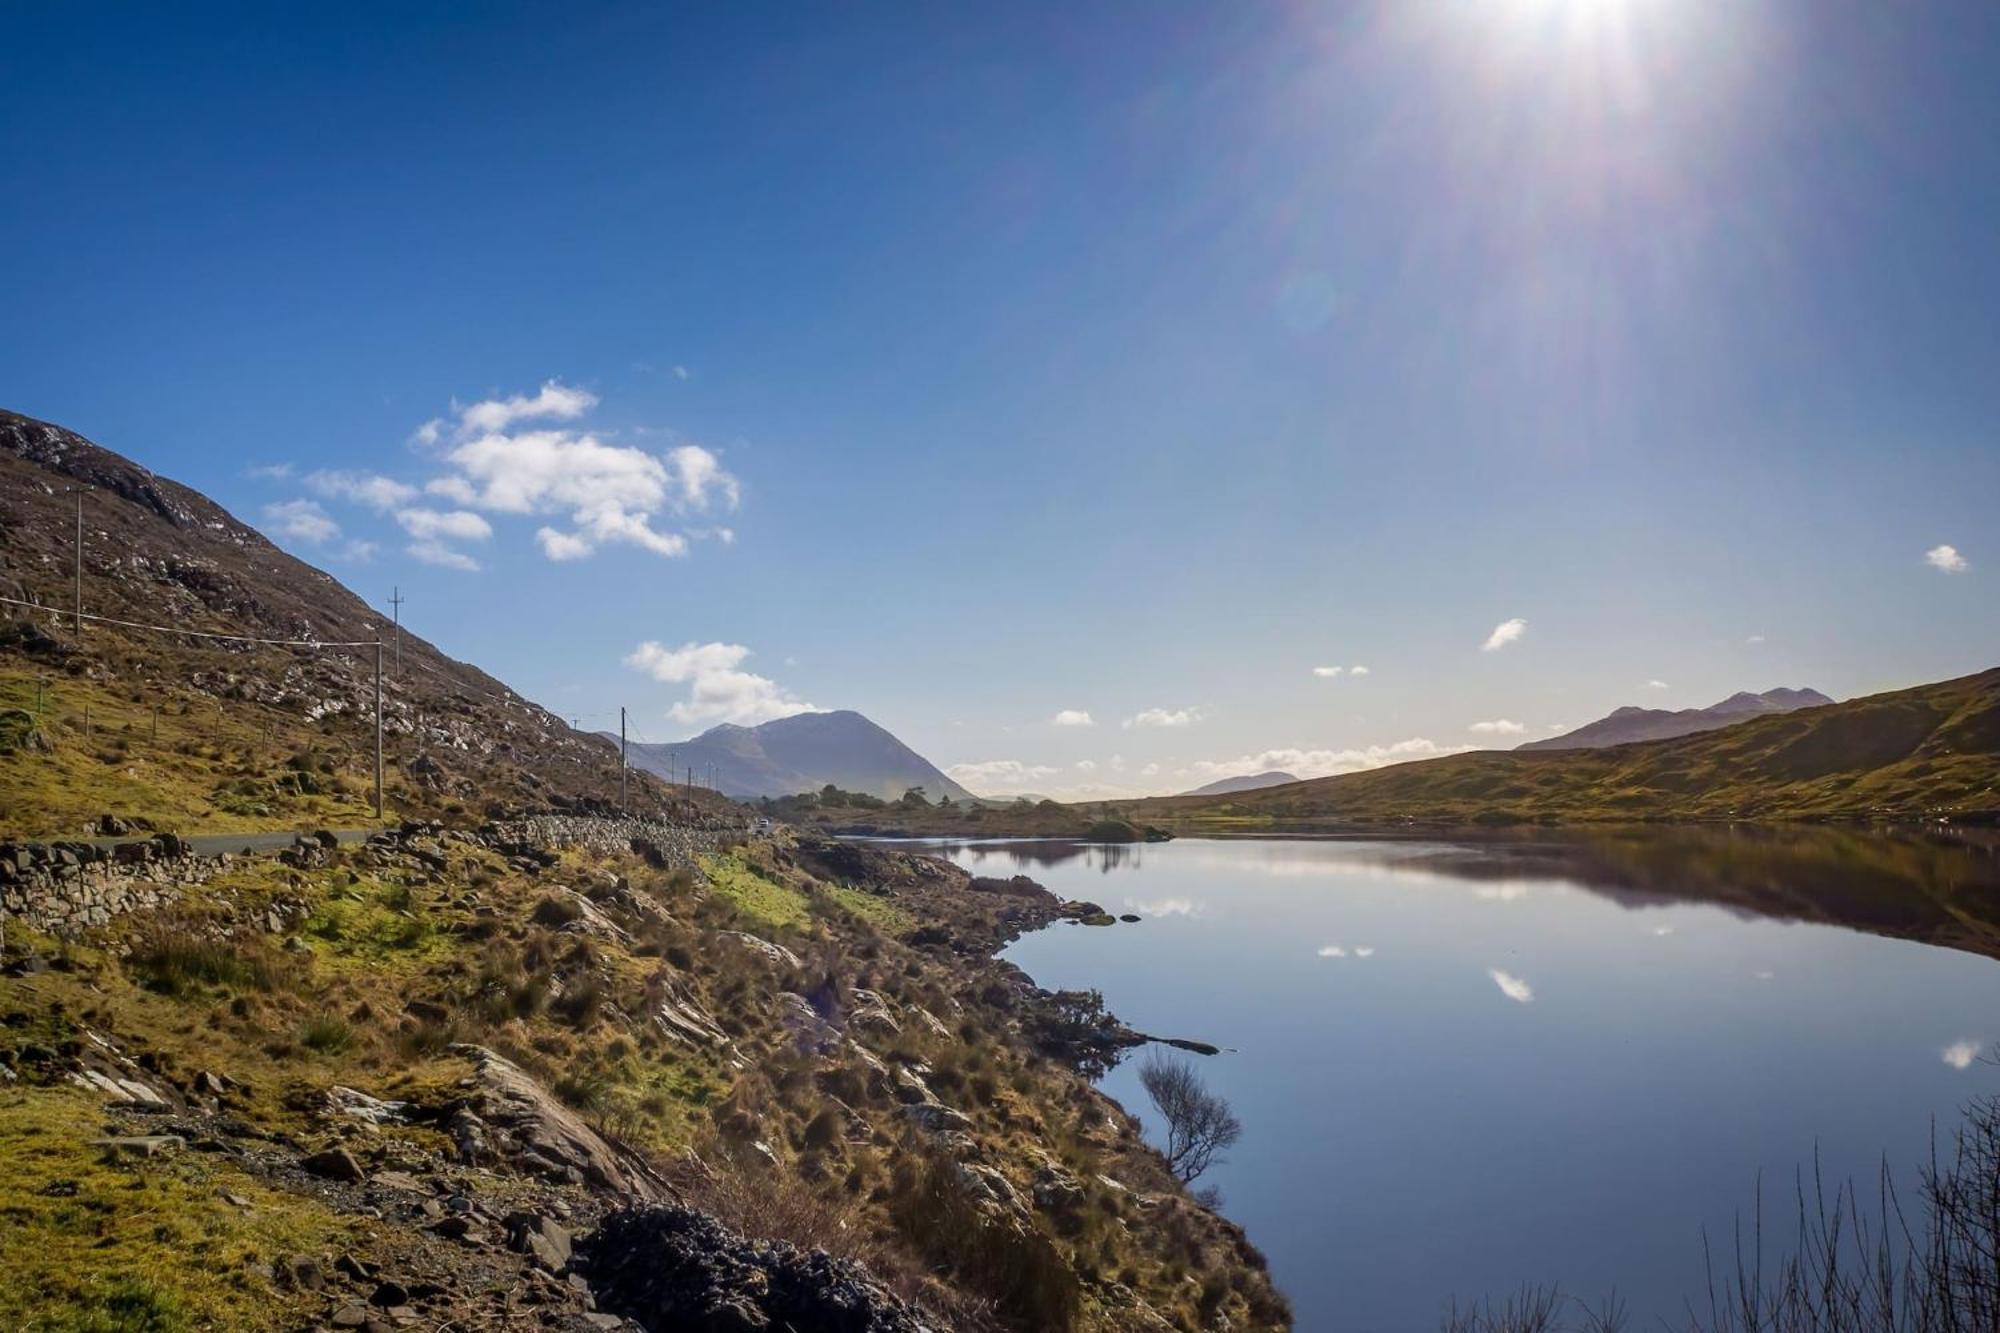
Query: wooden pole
[{"x": 378, "y": 731}]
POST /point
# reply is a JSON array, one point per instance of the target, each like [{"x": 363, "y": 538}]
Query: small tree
[{"x": 1199, "y": 1122}]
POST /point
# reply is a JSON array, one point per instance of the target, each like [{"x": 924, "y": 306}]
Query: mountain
[
  {"x": 1923, "y": 753},
  {"x": 1628, "y": 724},
  {"x": 801, "y": 753},
  {"x": 1249, "y": 782},
  {"x": 215, "y": 734}
]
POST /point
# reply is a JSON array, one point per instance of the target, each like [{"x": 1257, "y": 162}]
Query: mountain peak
[
  {"x": 802, "y": 752},
  {"x": 1625, "y": 725}
]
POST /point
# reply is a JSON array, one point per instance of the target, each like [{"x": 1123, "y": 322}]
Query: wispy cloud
[
  {"x": 1000, "y": 777},
  {"x": 367, "y": 488},
  {"x": 454, "y": 525},
  {"x": 1335, "y": 672},
  {"x": 1073, "y": 717},
  {"x": 719, "y": 691},
  {"x": 1511, "y": 986},
  {"x": 1755, "y": 638},
  {"x": 444, "y": 557},
  {"x": 301, "y": 521},
  {"x": 1946, "y": 559},
  {"x": 1164, "y": 717},
  {"x": 1498, "y": 727},
  {"x": 268, "y": 471},
  {"x": 1657, "y": 685},
  {"x": 1306, "y": 763},
  {"x": 1504, "y": 633},
  {"x": 555, "y": 401}
]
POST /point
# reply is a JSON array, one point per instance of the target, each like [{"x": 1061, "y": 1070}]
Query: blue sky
[{"x": 995, "y": 362}]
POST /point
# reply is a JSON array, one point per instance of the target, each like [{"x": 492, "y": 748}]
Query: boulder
[{"x": 519, "y": 1119}]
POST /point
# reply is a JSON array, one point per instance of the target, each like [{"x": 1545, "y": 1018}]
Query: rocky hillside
[
  {"x": 801, "y": 753},
  {"x": 194, "y": 733},
  {"x": 1932, "y": 752},
  {"x": 1625, "y": 725},
  {"x": 577, "y": 1074}
]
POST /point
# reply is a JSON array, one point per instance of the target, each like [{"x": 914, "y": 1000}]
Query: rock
[
  {"x": 347, "y": 1101},
  {"x": 933, "y": 1118},
  {"x": 334, "y": 1164},
  {"x": 1128, "y": 917},
  {"x": 809, "y": 1031},
  {"x": 210, "y": 1085},
  {"x": 350, "y": 1316},
  {"x": 390, "y": 1293},
  {"x": 544, "y": 1241},
  {"x": 140, "y": 1145},
  {"x": 674, "y": 1268},
  {"x": 111, "y": 826},
  {"x": 776, "y": 953},
  {"x": 523, "y": 1117}
]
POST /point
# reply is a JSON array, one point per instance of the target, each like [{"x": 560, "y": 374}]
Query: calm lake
[{"x": 1466, "y": 1067}]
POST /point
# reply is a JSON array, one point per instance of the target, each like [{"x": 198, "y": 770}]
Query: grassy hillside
[
  {"x": 206, "y": 735},
  {"x": 1924, "y": 753}
]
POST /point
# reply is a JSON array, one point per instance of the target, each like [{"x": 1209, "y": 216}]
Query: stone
[
  {"x": 350, "y": 1316},
  {"x": 140, "y": 1145},
  {"x": 334, "y": 1164},
  {"x": 390, "y": 1293}
]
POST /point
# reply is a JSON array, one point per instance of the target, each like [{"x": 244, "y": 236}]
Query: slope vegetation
[
  {"x": 1923, "y": 753},
  {"x": 198, "y": 734}
]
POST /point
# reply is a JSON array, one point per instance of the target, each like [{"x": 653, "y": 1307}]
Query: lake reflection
[{"x": 1467, "y": 1065}]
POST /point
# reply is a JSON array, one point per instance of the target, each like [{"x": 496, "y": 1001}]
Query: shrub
[
  {"x": 328, "y": 1034},
  {"x": 176, "y": 964}
]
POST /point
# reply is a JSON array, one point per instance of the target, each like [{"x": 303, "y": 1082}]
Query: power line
[{"x": 204, "y": 634}]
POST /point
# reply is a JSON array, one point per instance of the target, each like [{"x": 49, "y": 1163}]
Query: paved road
[{"x": 208, "y": 844}]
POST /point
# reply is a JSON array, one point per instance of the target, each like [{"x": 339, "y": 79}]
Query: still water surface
[{"x": 1462, "y": 1067}]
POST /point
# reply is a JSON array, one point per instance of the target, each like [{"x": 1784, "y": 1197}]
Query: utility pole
[
  {"x": 621, "y": 758},
  {"x": 378, "y": 731},
  {"x": 397, "y": 601}
]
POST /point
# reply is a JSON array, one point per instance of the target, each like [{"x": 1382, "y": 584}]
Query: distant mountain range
[
  {"x": 1626, "y": 725},
  {"x": 1248, "y": 782},
  {"x": 797, "y": 754}
]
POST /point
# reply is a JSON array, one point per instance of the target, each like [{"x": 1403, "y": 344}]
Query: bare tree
[{"x": 1199, "y": 1122}]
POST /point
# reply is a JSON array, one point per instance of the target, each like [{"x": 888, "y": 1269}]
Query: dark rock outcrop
[{"x": 675, "y": 1269}]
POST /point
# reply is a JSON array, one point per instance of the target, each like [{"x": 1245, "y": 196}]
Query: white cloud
[
  {"x": 719, "y": 691},
  {"x": 1511, "y": 986},
  {"x": 437, "y": 553},
  {"x": 1086, "y": 765},
  {"x": 1364, "y": 951},
  {"x": 1657, "y": 685},
  {"x": 1961, "y": 1054},
  {"x": 268, "y": 471},
  {"x": 360, "y": 552},
  {"x": 1946, "y": 559},
  {"x": 681, "y": 372},
  {"x": 608, "y": 493},
  {"x": 433, "y": 524},
  {"x": 1332, "y": 951},
  {"x": 1335, "y": 672},
  {"x": 1504, "y": 633},
  {"x": 1357, "y": 671},
  {"x": 301, "y": 521},
  {"x": 1320, "y": 763},
  {"x": 561, "y": 545},
  {"x": 1000, "y": 777},
  {"x": 1164, "y": 717},
  {"x": 366, "y": 488},
  {"x": 1498, "y": 727},
  {"x": 1755, "y": 638},
  {"x": 555, "y": 400},
  {"x": 1074, "y": 717}
]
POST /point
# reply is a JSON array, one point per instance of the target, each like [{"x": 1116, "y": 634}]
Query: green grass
[
  {"x": 756, "y": 897},
  {"x": 91, "y": 1245},
  {"x": 879, "y": 912}
]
